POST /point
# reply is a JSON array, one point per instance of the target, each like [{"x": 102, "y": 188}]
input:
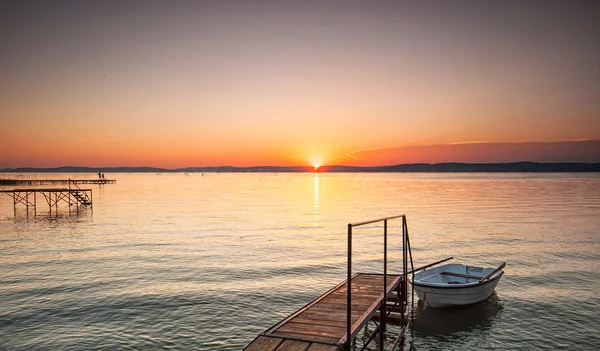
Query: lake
[{"x": 208, "y": 261}]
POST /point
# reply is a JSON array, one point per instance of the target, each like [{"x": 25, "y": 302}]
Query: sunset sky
[{"x": 206, "y": 83}]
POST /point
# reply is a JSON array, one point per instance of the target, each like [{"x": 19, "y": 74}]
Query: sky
[{"x": 245, "y": 83}]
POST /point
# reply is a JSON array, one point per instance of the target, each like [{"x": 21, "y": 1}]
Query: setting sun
[{"x": 316, "y": 166}]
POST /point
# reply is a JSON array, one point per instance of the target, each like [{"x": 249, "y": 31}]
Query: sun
[{"x": 316, "y": 162}]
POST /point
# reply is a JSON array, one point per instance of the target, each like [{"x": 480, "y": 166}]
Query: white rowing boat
[{"x": 456, "y": 284}]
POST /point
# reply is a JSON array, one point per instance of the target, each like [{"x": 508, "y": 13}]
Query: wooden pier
[
  {"x": 332, "y": 321},
  {"x": 74, "y": 197},
  {"x": 34, "y": 182}
]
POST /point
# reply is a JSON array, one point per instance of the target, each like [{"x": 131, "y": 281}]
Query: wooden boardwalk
[
  {"x": 321, "y": 324},
  {"x": 34, "y": 182}
]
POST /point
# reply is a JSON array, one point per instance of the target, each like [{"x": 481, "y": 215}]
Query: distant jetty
[{"x": 33, "y": 182}]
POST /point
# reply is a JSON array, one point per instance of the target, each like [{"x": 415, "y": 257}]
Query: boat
[{"x": 456, "y": 284}]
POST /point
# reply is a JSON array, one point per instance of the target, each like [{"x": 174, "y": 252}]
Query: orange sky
[{"x": 277, "y": 83}]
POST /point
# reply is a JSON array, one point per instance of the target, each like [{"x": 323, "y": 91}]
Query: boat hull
[
  {"x": 456, "y": 284},
  {"x": 454, "y": 296}
]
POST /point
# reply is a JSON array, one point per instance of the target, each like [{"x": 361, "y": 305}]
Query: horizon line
[{"x": 322, "y": 168}]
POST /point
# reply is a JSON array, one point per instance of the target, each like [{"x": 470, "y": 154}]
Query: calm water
[{"x": 175, "y": 261}]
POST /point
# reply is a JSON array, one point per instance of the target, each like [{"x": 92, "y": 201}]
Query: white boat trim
[{"x": 459, "y": 286}]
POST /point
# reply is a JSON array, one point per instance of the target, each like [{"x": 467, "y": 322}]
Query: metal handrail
[
  {"x": 376, "y": 220},
  {"x": 405, "y": 251}
]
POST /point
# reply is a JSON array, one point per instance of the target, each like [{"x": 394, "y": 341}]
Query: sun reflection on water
[{"x": 316, "y": 198}]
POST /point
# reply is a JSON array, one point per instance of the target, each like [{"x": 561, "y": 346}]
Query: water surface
[{"x": 207, "y": 262}]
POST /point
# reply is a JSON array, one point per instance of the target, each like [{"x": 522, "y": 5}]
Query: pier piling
[{"x": 28, "y": 197}]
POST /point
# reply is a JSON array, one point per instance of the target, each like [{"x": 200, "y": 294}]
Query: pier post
[
  {"x": 69, "y": 196},
  {"x": 405, "y": 253}
]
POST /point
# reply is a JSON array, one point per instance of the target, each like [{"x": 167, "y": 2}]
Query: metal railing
[{"x": 406, "y": 252}]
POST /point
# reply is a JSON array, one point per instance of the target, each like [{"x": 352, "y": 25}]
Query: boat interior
[{"x": 453, "y": 273}]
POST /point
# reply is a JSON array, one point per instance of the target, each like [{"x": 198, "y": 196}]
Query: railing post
[
  {"x": 405, "y": 258},
  {"x": 383, "y": 309},
  {"x": 349, "y": 292}
]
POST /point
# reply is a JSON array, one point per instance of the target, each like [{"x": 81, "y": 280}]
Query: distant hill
[
  {"x": 77, "y": 169},
  {"x": 415, "y": 167},
  {"x": 474, "y": 167}
]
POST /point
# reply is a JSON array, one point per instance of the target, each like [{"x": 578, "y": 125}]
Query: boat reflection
[{"x": 446, "y": 322}]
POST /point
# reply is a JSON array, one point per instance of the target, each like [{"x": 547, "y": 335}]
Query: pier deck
[
  {"x": 33, "y": 182},
  {"x": 321, "y": 325}
]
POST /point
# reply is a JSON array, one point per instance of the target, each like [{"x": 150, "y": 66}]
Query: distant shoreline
[{"x": 518, "y": 167}]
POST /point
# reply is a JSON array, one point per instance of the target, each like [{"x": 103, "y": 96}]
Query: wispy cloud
[
  {"x": 351, "y": 154},
  {"x": 583, "y": 150}
]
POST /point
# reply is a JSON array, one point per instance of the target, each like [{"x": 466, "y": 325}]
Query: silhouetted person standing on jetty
[
  {"x": 102, "y": 175},
  {"x": 99, "y": 175}
]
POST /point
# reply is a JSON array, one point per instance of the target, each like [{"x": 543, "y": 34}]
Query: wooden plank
[
  {"x": 323, "y": 347},
  {"x": 371, "y": 280},
  {"x": 312, "y": 329},
  {"x": 264, "y": 343},
  {"x": 375, "y": 290},
  {"x": 309, "y": 320},
  {"x": 293, "y": 345},
  {"x": 355, "y": 308},
  {"x": 332, "y": 316},
  {"x": 304, "y": 337},
  {"x": 366, "y": 294},
  {"x": 342, "y": 292},
  {"x": 308, "y": 335},
  {"x": 341, "y": 300},
  {"x": 364, "y": 304},
  {"x": 363, "y": 289},
  {"x": 323, "y": 318}
]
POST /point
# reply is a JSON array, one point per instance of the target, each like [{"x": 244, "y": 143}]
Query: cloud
[
  {"x": 481, "y": 152},
  {"x": 353, "y": 153}
]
